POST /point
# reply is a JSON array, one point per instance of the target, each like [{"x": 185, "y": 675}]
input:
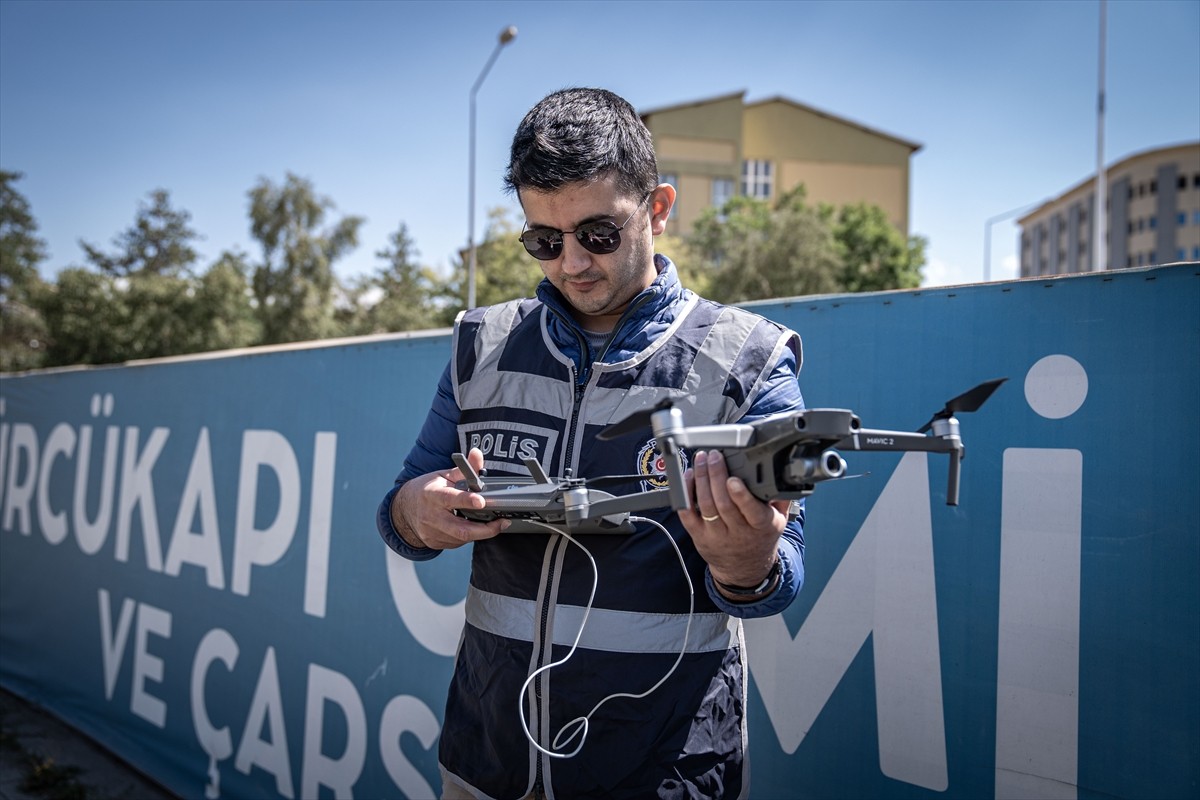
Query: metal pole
[
  {"x": 1100, "y": 218},
  {"x": 987, "y": 251},
  {"x": 506, "y": 36},
  {"x": 987, "y": 235}
]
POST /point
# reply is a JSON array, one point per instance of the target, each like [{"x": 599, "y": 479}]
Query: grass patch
[
  {"x": 41, "y": 776},
  {"x": 49, "y": 780}
]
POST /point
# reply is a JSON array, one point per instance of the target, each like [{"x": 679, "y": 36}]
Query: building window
[
  {"x": 1196, "y": 181},
  {"x": 1152, "y": 258},
  {"x": 1181, "y": 218},
  {"x": 1183, "y": 181},
  {"x": 1180, "y": 254},
  {"x": 1153, "y": 186},
  {"x": 757, "y": 179},
  {"x": 722, "y": 191},
  {"x": 1153, "y": 222},
  {"x": 1196, "y": 217},
  {"x": 1196, "y": 253}
]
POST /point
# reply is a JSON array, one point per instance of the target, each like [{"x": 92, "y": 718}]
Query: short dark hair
[{"x": 577, "y": 135}]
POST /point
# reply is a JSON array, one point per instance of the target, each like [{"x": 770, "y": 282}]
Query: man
[{"x": 653, "y": 702}]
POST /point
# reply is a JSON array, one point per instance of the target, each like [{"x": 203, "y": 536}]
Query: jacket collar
[{"x": 655, "y": 302}]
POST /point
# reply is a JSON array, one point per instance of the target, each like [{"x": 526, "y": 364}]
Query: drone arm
[
  {"x": 945, "y": 439},
  {"x": 716, "y": 437},
  {"x": 867, "y": 439},
  {"x": 642, "y": 501}
]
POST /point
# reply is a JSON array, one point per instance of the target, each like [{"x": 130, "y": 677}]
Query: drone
[{"x": 780, "y": 457}]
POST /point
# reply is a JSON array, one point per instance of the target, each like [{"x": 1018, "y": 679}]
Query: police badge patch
[{"x": 651, "y": 464}]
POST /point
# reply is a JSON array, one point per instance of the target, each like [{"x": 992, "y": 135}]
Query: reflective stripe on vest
[{"x": 608, "y": 630}]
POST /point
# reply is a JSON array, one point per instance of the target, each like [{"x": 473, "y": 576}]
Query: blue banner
[{"x": 190, "y": 573}]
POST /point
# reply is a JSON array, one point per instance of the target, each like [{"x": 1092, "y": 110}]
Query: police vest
[{"x": 521, "y": 397}]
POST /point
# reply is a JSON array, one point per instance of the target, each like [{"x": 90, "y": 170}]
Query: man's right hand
[{"x": 423, "y": 510}]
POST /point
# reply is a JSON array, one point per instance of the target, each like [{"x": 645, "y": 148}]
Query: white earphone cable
[{"x": 580, "y": 725}]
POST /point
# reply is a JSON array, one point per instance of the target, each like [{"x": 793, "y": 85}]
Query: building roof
[
  {"x": 1116, "y": 165},
  {"x": 913, "y": 146},
  {"x": 693, "y": 103}
]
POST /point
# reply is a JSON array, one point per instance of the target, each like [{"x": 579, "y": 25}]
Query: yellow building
[
  {"x": 1153, "y": 216},
  {"x": 713, "y": 149}
]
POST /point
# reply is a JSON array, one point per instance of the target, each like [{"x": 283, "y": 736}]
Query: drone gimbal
[{"x": 781, "y": 457}]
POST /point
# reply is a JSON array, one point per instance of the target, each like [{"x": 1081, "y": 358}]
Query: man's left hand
[{"x": 735, "y": 533}]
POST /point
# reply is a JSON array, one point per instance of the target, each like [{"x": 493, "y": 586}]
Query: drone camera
[
  {"x": 834, "y": 464},
  {"x": 827, "y": 466}
]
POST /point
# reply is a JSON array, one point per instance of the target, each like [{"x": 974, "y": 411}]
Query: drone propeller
[
  {"x": 634, "y": 422},
  {"x": 966, "y": 402}
]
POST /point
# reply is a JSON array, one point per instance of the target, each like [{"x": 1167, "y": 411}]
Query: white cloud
[
  {"x": 939, "y": 273},
  {"x": 1010, "y": 269}
]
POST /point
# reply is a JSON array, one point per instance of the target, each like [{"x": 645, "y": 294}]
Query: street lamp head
[{"x": 508, "y": 34}]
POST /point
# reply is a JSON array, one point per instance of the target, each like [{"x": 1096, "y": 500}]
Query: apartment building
[
  {"x": 713, "y": 149},
  {"x": 1153, "y": 208}
]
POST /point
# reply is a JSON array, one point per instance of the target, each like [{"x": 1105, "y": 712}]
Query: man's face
[{"x": 598, "y": 287}]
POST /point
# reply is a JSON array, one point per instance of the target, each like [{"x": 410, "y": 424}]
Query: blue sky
[{"x": 102, "y": 102}]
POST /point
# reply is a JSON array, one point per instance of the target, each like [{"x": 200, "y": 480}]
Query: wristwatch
[{"x": 750, "y": 591}]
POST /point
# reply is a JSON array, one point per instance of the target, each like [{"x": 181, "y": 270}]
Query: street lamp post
[
  {"x": 987, "y": 235},
  {"x": 1100, "y": 212},
  {"x": 506, "y": 36}
]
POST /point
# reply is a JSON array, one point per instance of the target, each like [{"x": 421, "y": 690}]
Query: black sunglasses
[{"x": 601, "y": 238}]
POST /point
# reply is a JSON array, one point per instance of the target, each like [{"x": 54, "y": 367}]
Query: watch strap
[{"x": 750, "y": 591}]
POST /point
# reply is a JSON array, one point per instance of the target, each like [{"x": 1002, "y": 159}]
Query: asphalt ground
[{"x": 42, "y": 758}]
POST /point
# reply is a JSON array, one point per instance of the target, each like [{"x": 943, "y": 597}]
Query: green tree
[
  {"x": 401, "y": 296},
  {"x": 223, "y": 308},
  {"x": 503, "y": 270},
  {"x": 874, "y": 254},
  {"x": 85, "y": 313},
  {"x": 757, "y": 251},
  {"x": 144, "y": 300},
  {"x": 22, "y": 326},
  {"x": 689, "y": 264},
  {"x": 294, "y": 285},
  {"x": 142, "y": 292},
  {"x": 158, "y": 242},
  {"x": 99, "y": 318},
  {"x": 753, "y": 250}
]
